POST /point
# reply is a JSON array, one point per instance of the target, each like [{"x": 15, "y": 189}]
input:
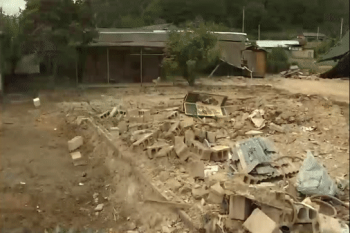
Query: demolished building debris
[{"x": 240, "y": 182}]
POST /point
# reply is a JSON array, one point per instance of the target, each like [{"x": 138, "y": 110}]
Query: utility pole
[
  {"x": 341, "y": 28},
  {"x": 259, "y": 32},
  {"x": 318, "y": 31},
  {"x": 243, "y": 21}
]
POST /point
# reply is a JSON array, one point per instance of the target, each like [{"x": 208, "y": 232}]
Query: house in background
[
  {"x": 312, "y": 36},
  {"x": 135, "y": 55},
  {"x": 340, "y": 54},
  {"x": 255, "y": 59}
]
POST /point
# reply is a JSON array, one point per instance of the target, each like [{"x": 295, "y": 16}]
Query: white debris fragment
[
  {"x": 211, "y": 170},
  {"x": 36, "y": 102},
  {"x": 99, "y": 207}
]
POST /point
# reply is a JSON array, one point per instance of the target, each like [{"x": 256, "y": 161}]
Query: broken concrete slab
[
  {"x": 240, "y": 207},
  {"x": 258, "y": 222},
  {"x": 313, "y": 178},
  {"x": 75, "y": 143},
  {"x": 99, "y": 207},
  {"x": 257, "y": 118}
]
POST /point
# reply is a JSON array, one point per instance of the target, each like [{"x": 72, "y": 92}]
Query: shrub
[
  {"x": 190, "y": 52},
  {"x": 277, "y": 60}
]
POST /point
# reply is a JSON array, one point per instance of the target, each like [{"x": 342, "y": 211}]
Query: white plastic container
[{"x": 36, "y": 102}]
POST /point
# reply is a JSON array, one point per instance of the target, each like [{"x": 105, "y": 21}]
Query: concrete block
[
  {"x": 240, "y": 207},
  {"x": 211, "y": 136},
  {"x": 326, "y": 224},
  {"x": 305, "y": 213},
  {"x": 181, "y": 149},
  {"x": 132, "y": 113},
  {"x": 36, "y": 102},
  {"x": 199, "y": 193},
  {"x": 165, "y": 152},
  {"x": 272, "y": 212},
  {"x": 216, "y": 194},
  {"x": 75, "y": 143},
  {"x": 104, "y": 115},
  {"x": 187, "y": 123},
  {"x": 123, "y": 127},
  {"x": 220, "y": 153},
  {"x": 154, "y": 149},
  {"x": 166, "y": 126},
  {"x": 201, "y": 150},
  {"x": 172, "y": 115},
  {"x": 145, "y": 141},
  {"x": 196, "y": 169},
  {"x": 258, "y": 222},
  {"x": 113, "y": 112},
  {"x": 114, "y": 129},
  {"x": 189, "y": 137},
  {"x": 175, "y": 129},
  {"x": 145, "y": 112},
  {"x": 78, "y": 160},
  {"x": 200, "y": 134}
]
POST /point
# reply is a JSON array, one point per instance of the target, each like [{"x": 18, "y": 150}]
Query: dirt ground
[{"x": 40, "y": 188}]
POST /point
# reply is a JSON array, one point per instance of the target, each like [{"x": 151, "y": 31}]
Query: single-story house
[
  {"x": 135, "y": 55},
  {"x": 312, "y": 36},
  {"x": 340, "y": 54}
]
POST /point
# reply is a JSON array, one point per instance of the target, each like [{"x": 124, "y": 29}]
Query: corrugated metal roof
[
  {"x": 339, "y": 50},
  {"x": 276, "y": 43},
  {"x": 313, "y": 34}
]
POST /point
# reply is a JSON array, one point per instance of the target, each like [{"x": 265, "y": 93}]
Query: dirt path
[{"x": 337, "y": 90}]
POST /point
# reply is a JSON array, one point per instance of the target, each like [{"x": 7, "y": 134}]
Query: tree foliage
[
  {"x": 55, "y": 27},
  {"x": 277, "y": 60},
  {"x": 190, "y": 51}
]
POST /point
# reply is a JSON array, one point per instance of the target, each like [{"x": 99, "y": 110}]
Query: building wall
[
  {"x": 124, "y": 66},
  {"x": 309, "y": 53},
  {"x": 256, "y": 61}
]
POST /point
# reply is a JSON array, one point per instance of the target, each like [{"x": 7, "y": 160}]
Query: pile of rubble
[
  {"x": 295, "y": 73},
  {"x": 232, "y": 186}
]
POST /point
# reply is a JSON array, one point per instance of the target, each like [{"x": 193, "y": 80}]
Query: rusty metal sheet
[{"x": 204, "y": 104}]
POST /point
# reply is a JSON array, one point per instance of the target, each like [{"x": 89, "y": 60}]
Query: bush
[
  {"x": 190, "y": 52},
  {"x": 277, "y": 61},
  {"x": 324, "y": 47}
]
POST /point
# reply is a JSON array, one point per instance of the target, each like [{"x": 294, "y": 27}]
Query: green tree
[
  {"x": 55, "y": 28},
  {"x": 277, "y": 60},
  {"x": 12, "y": 41},
  {"x": 191, "y": 51}
]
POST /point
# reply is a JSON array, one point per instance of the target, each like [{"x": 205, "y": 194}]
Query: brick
[
  {"x": 211, "y": 137},
  {"x": 181, "y": 149},
  {"x": 75, "y": 143},
  {"x": 196, "y": 169},
  {"x": 216, "y": 194},
  {"x": 326, "y": 224},
  {"x": 240, "y": 207},
  {"x": 258, "y": 222}
]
